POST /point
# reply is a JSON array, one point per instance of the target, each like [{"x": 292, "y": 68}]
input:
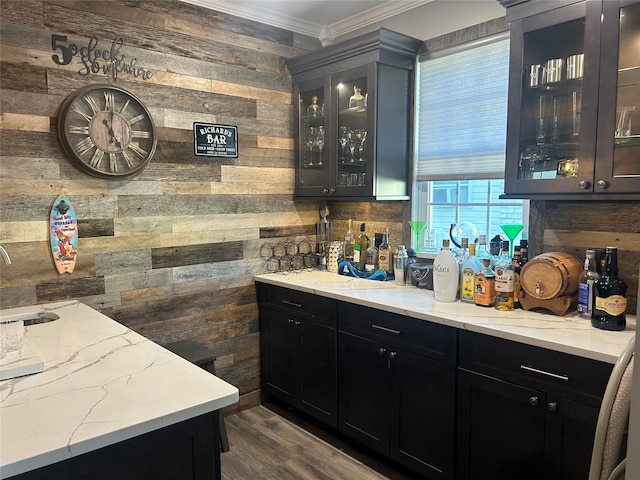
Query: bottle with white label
[
  {"x": 585, "y": 285},
  {"x": 445, "y": 275},
  {"x": 385, "y": 260},
  {"x": 505, "y": 280}
]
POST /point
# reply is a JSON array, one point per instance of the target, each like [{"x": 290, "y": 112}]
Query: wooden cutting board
[{"x": 64, "y": 235}]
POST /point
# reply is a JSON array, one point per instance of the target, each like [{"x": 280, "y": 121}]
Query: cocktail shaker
[{"x": 400, "y": 264}]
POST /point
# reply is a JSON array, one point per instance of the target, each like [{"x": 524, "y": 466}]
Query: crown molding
[{"x": 294, "y": 24}]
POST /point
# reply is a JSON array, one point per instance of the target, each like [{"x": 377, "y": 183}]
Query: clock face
[{"x": 106, "y": 131}]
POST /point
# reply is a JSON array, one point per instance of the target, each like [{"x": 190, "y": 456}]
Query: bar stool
[{"x": 201, "y": 356}]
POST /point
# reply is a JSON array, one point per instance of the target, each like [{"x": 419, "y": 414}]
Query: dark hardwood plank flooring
[{"x": 270, "y": 442}]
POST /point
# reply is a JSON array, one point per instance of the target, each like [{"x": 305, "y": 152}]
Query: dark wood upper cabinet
[
  {"x": 354, "y": 115},
  {"x": 573, "y": 128}
]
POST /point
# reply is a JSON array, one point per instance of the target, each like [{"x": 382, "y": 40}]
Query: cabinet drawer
[
  {"x": 302, "y": 304},
  {"x": 419, "y": 336},
  {"x": 571, "y": 376}
]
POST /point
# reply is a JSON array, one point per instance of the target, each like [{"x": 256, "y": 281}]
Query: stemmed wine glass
[
  {"x": 343, "y": 141},
  {"x": 311, "y": 140},
  {"x": 319, "y": 142}
]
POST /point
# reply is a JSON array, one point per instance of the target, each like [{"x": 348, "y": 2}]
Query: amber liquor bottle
[{"x": 609, "y": 296}]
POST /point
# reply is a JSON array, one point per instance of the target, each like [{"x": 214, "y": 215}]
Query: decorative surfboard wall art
[{"x": 64, "y": 235}]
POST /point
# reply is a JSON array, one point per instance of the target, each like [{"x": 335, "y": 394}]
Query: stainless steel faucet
[{"x": 5, "y": 255}]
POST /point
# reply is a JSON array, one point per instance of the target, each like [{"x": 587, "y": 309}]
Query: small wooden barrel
[{"x": 551, "y": 275}]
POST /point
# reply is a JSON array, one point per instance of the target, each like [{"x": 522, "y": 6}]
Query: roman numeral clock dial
[{"x": 106, "y": 131}]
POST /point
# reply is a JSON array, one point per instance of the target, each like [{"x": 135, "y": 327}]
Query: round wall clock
[{"x": 106, "y": 131}]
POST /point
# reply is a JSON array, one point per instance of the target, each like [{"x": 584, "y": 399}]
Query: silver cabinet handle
[
  {"x": 543, "y": 372},
  {"x": 583, "y": 184},
  {"x": 552, "y": 406},
  {"x": 533, "y": 401},
  {"x": 602, "y": 184},
  {"x": 382, "y": 351},
  {"x": 287, "y": 302},
  {"x": 392, "y": 355},
  {"x": 386, "y": 329}
]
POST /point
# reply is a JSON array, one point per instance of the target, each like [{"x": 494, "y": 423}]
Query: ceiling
[{"x": 323, "y": 19}]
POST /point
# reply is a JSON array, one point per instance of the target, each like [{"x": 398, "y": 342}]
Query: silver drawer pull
[
  {"x": 385, "y": 329},
  {"x": 543, "y": 372},
  {"x": 287, "y": 302}
]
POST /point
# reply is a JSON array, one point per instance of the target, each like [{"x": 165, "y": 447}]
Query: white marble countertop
[
  {"x": 102, "y": 383},
  {"x": 568, "y": 333}
]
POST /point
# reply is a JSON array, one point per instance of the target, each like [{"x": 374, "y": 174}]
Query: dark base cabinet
[
  {"x": 537, "y": 421},
  {"x": 188, "y": 450},
  {"x": 298, "y": 350},
  {"x": 398, "y": 401}
]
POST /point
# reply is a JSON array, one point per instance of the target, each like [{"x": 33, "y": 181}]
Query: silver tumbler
[{"x": 400, "y": 265}]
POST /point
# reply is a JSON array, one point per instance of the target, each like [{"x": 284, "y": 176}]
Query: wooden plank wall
[{"x": 172, "y": 252}]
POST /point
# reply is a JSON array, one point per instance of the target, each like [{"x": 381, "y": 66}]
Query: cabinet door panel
[
  {"x": 571, "y": 428},
  {"x": 281, "y": 351},
  {"x": 319, "y": 378},
  {"x": 500, "y": 429},
  {"x": 619, "y": 112},
  {"x": 363, "y": 387},
  {"x": 423, "y": 414}
]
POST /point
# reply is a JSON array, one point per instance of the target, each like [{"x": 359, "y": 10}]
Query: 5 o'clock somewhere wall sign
[{"x": 211, "y": 140}]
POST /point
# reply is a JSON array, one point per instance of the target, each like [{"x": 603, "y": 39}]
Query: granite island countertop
[
  {"x": 568, "y": 333},
  {"x": 102, "y": 383}
]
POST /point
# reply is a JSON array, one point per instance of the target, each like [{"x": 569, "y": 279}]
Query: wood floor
[{"x": 270, "y": 443}]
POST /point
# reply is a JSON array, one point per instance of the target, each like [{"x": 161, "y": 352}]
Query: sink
[{"x": 30, "y": 318}]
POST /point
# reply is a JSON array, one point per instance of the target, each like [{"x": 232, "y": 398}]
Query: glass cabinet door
[
  {"x": 619, "y": 128},
  {"x": 353, "y": 135},
  {"x": 312, "y": 151},
  {"x": 552, "y": 102}
]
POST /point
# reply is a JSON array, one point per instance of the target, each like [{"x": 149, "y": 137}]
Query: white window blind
[{"x": 462, "y": 113}]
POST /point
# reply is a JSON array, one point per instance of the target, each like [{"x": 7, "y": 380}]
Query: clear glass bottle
[
  {"x": 385, "y": 260},
  {"x": 485, "y": 282},
  {"x": 505, "y": 279},
  {"x": 445, "y": 275},
  {"x": 468, "y": 271},
  {"x": 371, "y": 258},
  {"x": 360, "y": 248},
  {"x": 314, "y": 110},
  {"x": 585, "y": 285},
  {"x": 357, "y": 99},
  {"x": 609, "y": 296},
  {"x": 348, "y": 243}
]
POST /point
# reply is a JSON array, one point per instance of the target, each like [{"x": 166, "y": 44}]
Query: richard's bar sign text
[
  {"x": 95, "y": 60},
  {"x": 215, "y": 140}
]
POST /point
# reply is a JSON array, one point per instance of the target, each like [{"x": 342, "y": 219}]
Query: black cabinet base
[{"x": 188, "y": 450}]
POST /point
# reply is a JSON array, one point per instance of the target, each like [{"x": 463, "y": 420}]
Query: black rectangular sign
[{"x": 212, "y": 140}]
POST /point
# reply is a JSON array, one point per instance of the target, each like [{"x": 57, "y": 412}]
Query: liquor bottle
[
  {"x": 469, "y": 269},
  {"x": 360, "y": 248},
  {"x": 585, "y": 285},
  {"x": 385, "y": 260},
  {"x": 517, "y": 266},
  {"x": 524, "y": 252},
  {"x": 348, "y": 243},
  {"x": 485, "y": 283},
  {"x": 505, "y": 273},
  {"x": 609, "y": 296},
  {"x": 445, "y": 274},
  {"x": 371, "y": 258},
  {"x": 314, "y": 110}
]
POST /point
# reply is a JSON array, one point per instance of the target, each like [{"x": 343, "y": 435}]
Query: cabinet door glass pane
[
  {"x": 627, "y": 128},
  {"x": 552, "y": 101},
  {"x": 353, "y": 151},
  {"x": 312, "y": 137}
]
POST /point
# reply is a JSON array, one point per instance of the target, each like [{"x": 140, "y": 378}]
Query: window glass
[{"x": 460, "y": 143}]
